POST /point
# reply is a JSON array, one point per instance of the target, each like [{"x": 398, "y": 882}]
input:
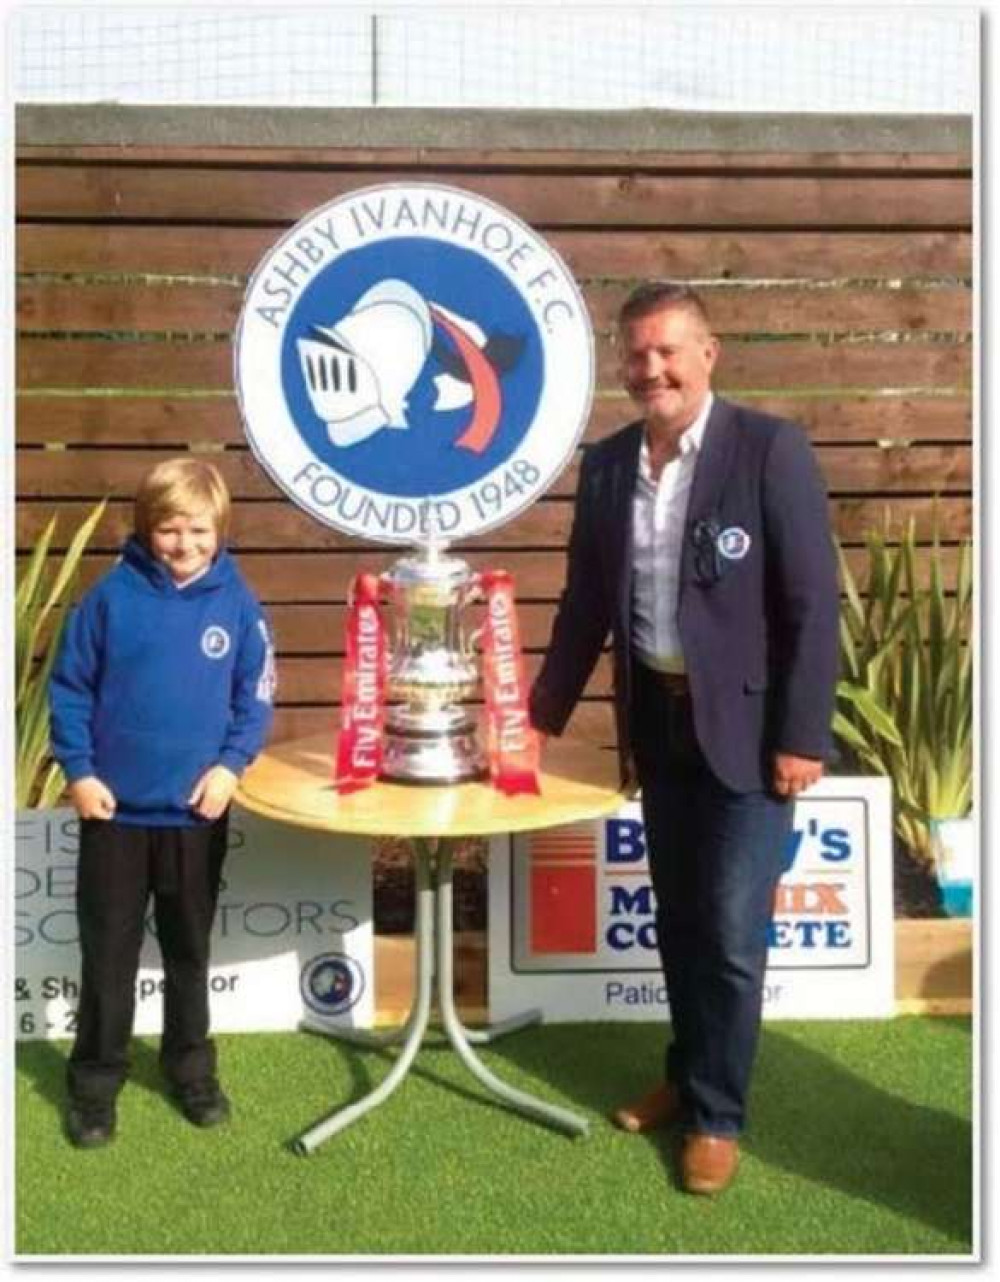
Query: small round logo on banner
[
  {"x": 733, "y": 543},
  {"x": 215, "y": 642},
  {"x": 412, "y": 354},
  {"x": 331, "y": 983}
]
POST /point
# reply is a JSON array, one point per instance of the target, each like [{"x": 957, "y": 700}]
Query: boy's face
[{"x": 185, "y": 544}]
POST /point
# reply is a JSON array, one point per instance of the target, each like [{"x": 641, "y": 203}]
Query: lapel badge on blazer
[{"x": 733, "y": 543}]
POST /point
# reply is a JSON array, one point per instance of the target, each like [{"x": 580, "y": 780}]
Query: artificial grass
[{"x": 860, "y": 1143}]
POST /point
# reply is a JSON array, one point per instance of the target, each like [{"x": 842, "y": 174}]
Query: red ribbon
[
  {"x": 359, "y": 744},
  {"x": 512, "y": 745}
]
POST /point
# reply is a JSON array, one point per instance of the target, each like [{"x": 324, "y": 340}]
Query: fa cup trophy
[{"x": 430, "y": 737}]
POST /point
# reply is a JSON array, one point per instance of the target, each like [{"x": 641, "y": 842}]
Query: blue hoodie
[{"x": 153, "y": 684}]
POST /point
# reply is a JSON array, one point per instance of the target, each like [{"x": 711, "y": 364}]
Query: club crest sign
[{"x": 410, "y": 349}]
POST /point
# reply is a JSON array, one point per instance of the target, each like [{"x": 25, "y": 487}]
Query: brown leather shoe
[
  {"x": 708, "y": 1162},
  {"x": 659, "y": 1107}
]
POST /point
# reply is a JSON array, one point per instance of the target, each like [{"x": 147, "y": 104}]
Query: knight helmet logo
[{"x": 359, "y": 372}]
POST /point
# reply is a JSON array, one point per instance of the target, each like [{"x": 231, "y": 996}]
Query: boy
[{"x": 161, "y": 695}]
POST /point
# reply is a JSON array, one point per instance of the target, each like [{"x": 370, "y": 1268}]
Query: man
[{"x": 701, "y": 542}]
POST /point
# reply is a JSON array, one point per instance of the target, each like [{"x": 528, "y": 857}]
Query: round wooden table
[{"x": 293, "y": 783}]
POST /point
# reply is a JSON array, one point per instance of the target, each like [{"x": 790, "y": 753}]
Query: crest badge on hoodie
[{"x": 411, "y": 348}]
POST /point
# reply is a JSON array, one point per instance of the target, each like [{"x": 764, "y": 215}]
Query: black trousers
[
  {"x": 715, "y": 859},
  {"x": 121, "y": 867}
]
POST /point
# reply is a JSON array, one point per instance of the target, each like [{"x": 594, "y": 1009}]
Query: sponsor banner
[
  {"x": 292, "y": 934},
  {"x": 411, "y": 354},
  {"x": 572, "y": 915}
]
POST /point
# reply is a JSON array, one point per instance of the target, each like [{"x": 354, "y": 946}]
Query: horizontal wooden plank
[
  {"x": 168, "y": 422},
  {"x": 829, "y": 417},
  {"x": 951, "y": 519},
  {"x": 97, "y": 473},
  {"x": 145, "y": 306},
  {"x": 610, "y": 252},
  {"x": 138, "y": 304},
  {"x": 98, "y": 363},
  {"x": 326, "y": 576},
  {"x": 790, "y": 309},
  {"x": 164, "y": 421},
  {"x": 279, "y": 525},
  {"x": 165, "y": 193},
  {"x": 858, "y": 470},
  {"x": 203, "y": 365},
  {"x": 517, "y": 158}
]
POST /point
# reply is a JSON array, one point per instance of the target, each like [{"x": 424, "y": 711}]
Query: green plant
[
  {"x": 905, "y": 698},
  {"x": 40, "y": 614}
]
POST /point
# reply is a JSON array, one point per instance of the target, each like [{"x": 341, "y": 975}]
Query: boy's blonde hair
[{"x": 181, "y": 487}]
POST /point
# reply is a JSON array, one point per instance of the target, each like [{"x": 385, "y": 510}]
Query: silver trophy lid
[{"x": 430, "y": 564}]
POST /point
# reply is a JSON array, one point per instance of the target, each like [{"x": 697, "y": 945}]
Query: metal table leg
[
  {"x": 434, "y": 935},
  {"x": 411, "y": 1033},
  {"x": 460, "y": 1038}
]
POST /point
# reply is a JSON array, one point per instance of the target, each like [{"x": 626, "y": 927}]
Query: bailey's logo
[{"x": 407, "y": 343}]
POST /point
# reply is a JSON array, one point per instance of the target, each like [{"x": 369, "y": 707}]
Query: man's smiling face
[{"x": 667, "y": 362}]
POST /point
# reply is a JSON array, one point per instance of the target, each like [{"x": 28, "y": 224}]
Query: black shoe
[
  {"x": 90, "y": 1123},
  {"x": 203, "y": 1103}
]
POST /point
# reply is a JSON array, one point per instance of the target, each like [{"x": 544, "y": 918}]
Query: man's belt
[{"x": 674, "y": 684}]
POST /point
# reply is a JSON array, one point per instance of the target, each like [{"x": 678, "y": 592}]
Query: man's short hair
[
  {"x": 657, "y": 296},
  {"x": 181, "y": 487}
]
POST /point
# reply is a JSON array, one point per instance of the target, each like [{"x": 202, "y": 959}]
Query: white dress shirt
[{"x": 659, "y": 512}]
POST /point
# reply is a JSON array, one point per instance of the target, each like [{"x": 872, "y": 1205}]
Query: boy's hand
[
  {"x": 92, "y": 799},
  {"x": 213, "y": 792}
]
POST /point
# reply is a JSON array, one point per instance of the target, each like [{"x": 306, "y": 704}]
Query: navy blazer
[{"x": 759, "y": 631}]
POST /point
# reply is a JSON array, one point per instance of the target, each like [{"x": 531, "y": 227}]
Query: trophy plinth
[{"x": 429, "y": 737}]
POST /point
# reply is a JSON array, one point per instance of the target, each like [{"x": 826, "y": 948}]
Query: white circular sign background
[{"x": 432, "y": 215}]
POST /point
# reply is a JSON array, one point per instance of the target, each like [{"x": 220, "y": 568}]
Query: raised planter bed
[{"x": 934, "y": 970}]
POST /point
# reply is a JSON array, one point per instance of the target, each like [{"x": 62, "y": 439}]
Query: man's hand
[
  {"x": 794, "y": 774},
  {"x": 213, "y": 792},
  {"x": 92, "y": 799}
]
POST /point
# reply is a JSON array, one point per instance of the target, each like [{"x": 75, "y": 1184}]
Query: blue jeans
[{"x": 715, "y": 858}]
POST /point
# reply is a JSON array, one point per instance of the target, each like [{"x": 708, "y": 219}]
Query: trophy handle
[
  {"x": 472, "y": 640},
  {"x": 384, "y": 587},
  {"x": 473, "y": 595}
]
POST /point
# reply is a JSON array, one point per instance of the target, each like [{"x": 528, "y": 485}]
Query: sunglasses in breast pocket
[{"x": 707, "y": 559}]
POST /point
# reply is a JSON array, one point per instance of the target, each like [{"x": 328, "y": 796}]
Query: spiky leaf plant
[
  {"x": 905, "y": 697},
  {"x": 43, "y": 593}
]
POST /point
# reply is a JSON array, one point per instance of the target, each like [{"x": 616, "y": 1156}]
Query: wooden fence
[{"x": 838, "y": 278}]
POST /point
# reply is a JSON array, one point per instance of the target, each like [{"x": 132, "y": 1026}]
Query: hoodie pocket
[{"x": 146, "y": 772}]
